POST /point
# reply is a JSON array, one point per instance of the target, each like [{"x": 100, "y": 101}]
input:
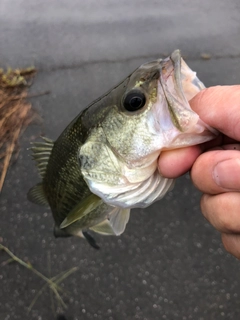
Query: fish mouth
[
  {"x": 171, "y": 82},
  {"x": 178, "y": 84}
]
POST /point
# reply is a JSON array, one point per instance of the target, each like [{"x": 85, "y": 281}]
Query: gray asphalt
[{"x": 170, "y": 263}]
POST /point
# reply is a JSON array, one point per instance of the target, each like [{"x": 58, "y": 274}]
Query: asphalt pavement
[{"x": 169, "y": 263}]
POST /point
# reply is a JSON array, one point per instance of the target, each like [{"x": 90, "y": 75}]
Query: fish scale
[{"x": 70, "y": 185}]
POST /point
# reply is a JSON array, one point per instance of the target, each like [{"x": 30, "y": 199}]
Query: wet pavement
[{"x": 169, "y": 263}]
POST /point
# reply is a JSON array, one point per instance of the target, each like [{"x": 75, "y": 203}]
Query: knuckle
[
  {"x": 225, "y": 223},
  {"x": 227, "y": 243},
  {"x": 216, "y": 210},
  {"x": 204, "y": 205},
  {"x": 231, "y": 243}
]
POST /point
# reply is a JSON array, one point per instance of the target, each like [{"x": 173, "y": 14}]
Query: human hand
[{"x": 217, "y": 172}]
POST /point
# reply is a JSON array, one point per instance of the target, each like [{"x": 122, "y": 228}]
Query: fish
[{"x": 105, "y": 161}]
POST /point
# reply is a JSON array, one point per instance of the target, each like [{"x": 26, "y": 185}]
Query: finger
[
  {"x": 231, "y": 243},
  {"x": 174, "y": 163},
  {"x": 219, "y": 107},
  {"x": 217, "y": 171},
  {"x": 222, "y": 211}
]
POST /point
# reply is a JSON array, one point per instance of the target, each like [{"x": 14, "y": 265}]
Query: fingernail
[{"x": 226, "y": 174}]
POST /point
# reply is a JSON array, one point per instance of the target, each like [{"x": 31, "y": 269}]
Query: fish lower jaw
[{"x": 138, "y": 195}]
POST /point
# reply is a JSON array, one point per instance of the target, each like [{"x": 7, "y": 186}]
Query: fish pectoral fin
[
  {"x": 81, "y": 209},
  {"x": 104, "y": 228},
  {"x": 36, "y": 195},
  {"x": 119, "y": 219}
]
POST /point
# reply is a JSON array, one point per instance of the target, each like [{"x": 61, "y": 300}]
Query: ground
[{"x": 170, "y": 263}]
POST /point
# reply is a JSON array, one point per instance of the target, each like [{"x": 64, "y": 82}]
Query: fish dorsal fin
[
  {"x": 81, "y": 209},
  {"x": 104, "y": 228},
  {"x": 119, "y": 219},
  {"x": 36, "y": 195},
  {"x": 41, "y": 152}
]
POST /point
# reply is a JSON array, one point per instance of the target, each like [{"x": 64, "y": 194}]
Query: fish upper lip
[
  {"x": 171, "y": 67},
  {"x": 176, "y": 58},
  {"x": 176, "y": 55}
]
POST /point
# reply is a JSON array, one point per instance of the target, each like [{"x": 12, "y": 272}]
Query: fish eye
[{"x": 134, "y": 100}]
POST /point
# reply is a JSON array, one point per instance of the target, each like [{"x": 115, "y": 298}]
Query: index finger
[{"x": 174, "y": 163}]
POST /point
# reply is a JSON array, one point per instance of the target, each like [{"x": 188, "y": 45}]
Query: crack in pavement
[{"x": 205, "y": 56}]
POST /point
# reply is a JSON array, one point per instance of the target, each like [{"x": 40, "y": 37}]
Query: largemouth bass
[{"x": 105, "y": 161}]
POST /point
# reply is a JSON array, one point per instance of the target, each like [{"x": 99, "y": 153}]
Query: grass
[
  {"x": 51, "y": 283},
  {"x": 16, "y": 113}
]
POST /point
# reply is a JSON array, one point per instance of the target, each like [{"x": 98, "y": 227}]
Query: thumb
[{"x": 219, "y": 107}]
